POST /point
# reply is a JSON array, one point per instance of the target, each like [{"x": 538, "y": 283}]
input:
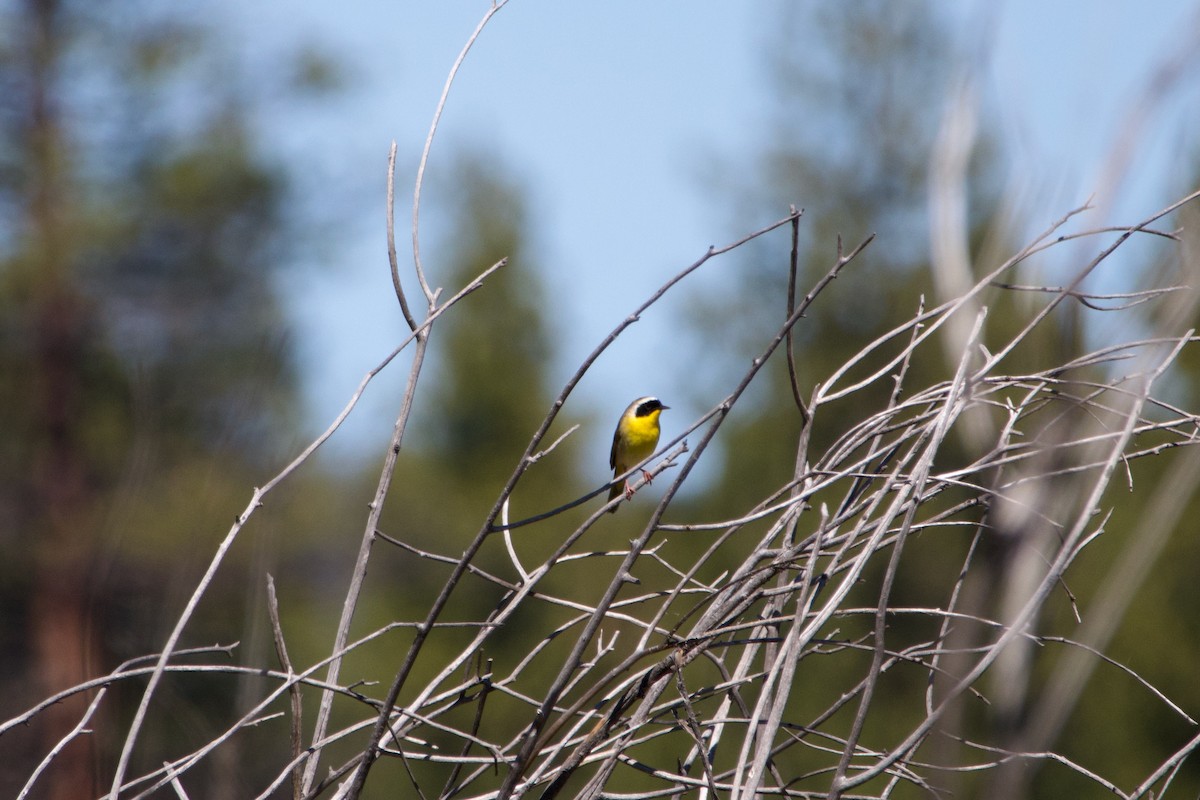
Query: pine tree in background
[
  {"x": 493, "y": 387},
  {"x": 490, "y": 386},
  {"x": 144, "y": 361}
]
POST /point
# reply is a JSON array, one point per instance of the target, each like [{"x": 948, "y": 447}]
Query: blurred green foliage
[
  {"x": 147, "y": 375},
  {"x": 147, "y": 382}
]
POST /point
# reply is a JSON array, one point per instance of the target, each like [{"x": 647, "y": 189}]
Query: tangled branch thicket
[{"x": 707, "y": 675}]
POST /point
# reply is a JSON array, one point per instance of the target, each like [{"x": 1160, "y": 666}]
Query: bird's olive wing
[{"x": 612, "y": 454}]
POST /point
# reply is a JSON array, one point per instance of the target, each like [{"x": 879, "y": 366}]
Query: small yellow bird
[{"x": 634, "y": 441}]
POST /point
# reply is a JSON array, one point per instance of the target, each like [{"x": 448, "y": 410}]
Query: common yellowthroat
[{"x": 634, "y": 441}]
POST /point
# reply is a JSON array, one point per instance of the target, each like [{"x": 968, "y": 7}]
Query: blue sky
[{"x": 616, "y": 184}]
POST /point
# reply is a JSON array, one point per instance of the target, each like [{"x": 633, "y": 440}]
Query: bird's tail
[{"x": 617, "y": 489}]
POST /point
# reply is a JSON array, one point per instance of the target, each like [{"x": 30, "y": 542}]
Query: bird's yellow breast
[{"x": 637, "y": 439}]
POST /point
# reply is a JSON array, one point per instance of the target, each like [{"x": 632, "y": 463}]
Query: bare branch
[{"x": 437, "y": 116}]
